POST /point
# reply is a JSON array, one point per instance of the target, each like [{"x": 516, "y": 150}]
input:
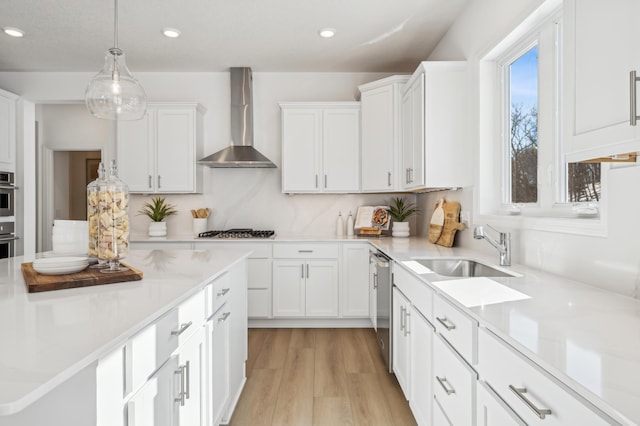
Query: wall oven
[
  {"x": 7, "y": 240},
  {"x": 7, "y": 194}
]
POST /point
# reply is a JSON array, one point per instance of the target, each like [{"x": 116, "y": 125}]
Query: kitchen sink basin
[{"x": 462, "y": 268}]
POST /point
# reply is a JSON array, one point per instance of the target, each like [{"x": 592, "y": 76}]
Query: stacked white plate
[{"x": 60, "y": 265}]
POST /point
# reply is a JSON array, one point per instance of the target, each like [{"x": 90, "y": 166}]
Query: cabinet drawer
[
  {"x": 419, "y": 293},
  {"x": 306, "y": 251},
  {"x": 454, "y": 384},
  {"x": 460, "y": 330},
  {"x": 217, "y": 293},
  {"x": 508, "y": 371},
  {"x": 148, "y": 350},
  {"x": 260, "y": 250}
]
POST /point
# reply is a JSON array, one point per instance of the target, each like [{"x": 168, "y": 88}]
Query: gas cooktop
[{"x": 238, "y": 233}]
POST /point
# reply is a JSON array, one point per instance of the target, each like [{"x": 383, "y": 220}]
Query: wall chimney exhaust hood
[{"x": 241, "y": 153}]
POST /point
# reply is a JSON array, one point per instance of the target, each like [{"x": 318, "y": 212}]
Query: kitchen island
[{"x": 54, "y": 339}]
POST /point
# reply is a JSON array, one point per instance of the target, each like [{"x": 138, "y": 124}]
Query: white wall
[
  {"x": 612, "y": 262},
  {"x": 238, "y": 197}
]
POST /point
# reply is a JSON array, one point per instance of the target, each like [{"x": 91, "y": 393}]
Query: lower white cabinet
[
  {"x": 401, "y": 342},
  {"x": 355, "y": 280},
  {"x": 217, "y": 333},
  {"x": 534, "y": 395},
  {"x": 454, "y": 383},
  {"x": 421, "y": 332},
  {"x": 305, "y": 288}
]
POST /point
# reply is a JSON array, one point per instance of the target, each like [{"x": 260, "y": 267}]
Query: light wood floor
[{"x": 319, "y": 377}]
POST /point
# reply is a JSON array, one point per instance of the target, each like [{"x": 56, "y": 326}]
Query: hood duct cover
[{"x": 241, "y": 153}]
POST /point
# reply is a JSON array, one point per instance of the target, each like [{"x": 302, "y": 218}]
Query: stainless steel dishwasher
[{"x": 382, "y": 284}]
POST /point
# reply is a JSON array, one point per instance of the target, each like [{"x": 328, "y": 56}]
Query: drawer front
[
  {"x": 507, "y": 371},
  {"x": 217, "y": 293},
  {"x": 260, "y": 250},
  {"x": 151, "y": 347},
  {"x": 259, "y": 273},
  {"x": 454, "y": 384},
  {"x": 306, "y": 251},
  {"x": 460, "y": 330},
  {"x": 420, "y": 295}
]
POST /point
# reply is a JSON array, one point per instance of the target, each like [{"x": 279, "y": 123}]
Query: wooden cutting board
[
  {"x": 437, "y": 221},
  {"x": 36, "y": 282}
]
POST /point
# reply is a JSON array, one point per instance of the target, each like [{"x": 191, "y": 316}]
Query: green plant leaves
[{"x": 158, "y": 209}]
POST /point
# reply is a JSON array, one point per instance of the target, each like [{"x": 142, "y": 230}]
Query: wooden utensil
[
  {"x": 437, "y": 222},
  {"x": 202, "y": 213}
]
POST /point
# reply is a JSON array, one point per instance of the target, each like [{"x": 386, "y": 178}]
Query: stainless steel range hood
[{"x": 241, "y": 153}]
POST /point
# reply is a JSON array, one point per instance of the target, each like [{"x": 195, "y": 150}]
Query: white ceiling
[{"x": 267, "y": 35}]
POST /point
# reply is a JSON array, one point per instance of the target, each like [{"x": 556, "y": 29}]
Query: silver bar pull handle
[
  {"x": 307, "y": 270},
  {"x": 449, "y": 390},
  {"x": 150, "y": 177},
  {"x": 325, "y": 181},
  {"x": 633, "y": 80},
  {"x": 407, "y": 319},
  {"x": 223, "y": 292},
  {"x": 406, "y": 177},
  {"x": 411, "y": 175},
  {"x": 186, "y": 378},
  {"x": 182, "y": 329},
  {"x": 316, "y": 181},
  {"x": 159, "y": 182},
  {"x": 446, "y": 323},
  {"x": 402, "y": 318},
  {"x": 181, "y": 394},
  {"x": 224, "y": 317},
  {"x": 540, "y": 412},
  {"x": 302, "y": 267},
  {"x": 375, "y": 281},
  {"x": 305, "y": 251},
  {"x": 388, "y": 178}
]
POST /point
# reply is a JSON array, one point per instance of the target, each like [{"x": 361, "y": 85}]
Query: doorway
[{"x": 72, "y": 172}]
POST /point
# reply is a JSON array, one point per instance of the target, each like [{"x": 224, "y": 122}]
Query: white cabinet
[
  {"x": 401, "y": 341},
  {"x": 7, "y": 131},
  {"x": 491, "y": 410},
  {"x": 158, "y": 154},
  {"x": 380, "y": 134},
  {"x": 305, "y": 280},
  {"x": 435, "y": 142},
  {"x": 596, "y": 101},
  {"x": 217, "y": 332},
  {"x": 421, "y": 368},
  {"x": 534, "y": 395},
  {"x": 355, "y": 280},
  {"x": 320, "y": 147}
]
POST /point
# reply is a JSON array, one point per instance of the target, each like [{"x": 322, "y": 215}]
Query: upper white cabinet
[
  {"x": 7, "y": 131},
  {"x": 158, "y": 153},
  {"x": 380, "y": 130},
  {"x": 435, "y": 136},
  {"x": 320, "y": 147},
  {"x": 596, "y": 88}
]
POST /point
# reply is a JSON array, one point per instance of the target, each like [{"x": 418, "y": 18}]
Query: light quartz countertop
[
  {"x": 586, "y": 337},
  {"x": 48, "y": 337}
]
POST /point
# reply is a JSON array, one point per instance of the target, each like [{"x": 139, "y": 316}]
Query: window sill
[{"x": 592, "y": 227}]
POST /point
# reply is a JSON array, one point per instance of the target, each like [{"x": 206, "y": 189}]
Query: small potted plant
[
  {"x": 158, "y": 210},
  {"x": 400, "y": 211}
]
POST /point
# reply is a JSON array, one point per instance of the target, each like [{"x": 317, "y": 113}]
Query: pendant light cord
[{"x": 115, "y": 24}]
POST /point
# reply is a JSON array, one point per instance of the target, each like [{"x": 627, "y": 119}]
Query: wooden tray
[{"x": 91, "y": 276}]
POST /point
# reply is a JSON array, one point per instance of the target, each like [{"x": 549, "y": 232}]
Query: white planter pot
[
  {"x": 400, "y": 229},
  {"x": 158, "y": 229}
]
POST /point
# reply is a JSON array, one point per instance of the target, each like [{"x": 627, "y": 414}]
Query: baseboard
[{"x": 310, "y": 323}]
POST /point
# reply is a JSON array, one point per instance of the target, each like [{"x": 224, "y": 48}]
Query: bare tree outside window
[
  {"x": 524, "y": 154},
  {"x": 583, "y": 182}
]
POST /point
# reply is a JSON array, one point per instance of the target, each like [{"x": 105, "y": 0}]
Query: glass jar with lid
[
  {"x": 92, "y": 211},
  {"x": 113, "y": 220}
]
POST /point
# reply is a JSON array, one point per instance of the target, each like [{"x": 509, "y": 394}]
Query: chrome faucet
[{"x": 503, "y": 246}]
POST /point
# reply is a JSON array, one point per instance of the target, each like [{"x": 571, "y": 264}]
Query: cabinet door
[
  {"x": 416, "y": 174},
  {"x": 341, "y": 150},
  {"x": 421, "y": 363},
  {"x": 355, "y": 280},
  {"x": 192, "y": 362},
  {"x": 378, "y": 139},
  {"x": 218, "y": 363},
  {"x": 492, "y": 410},
  {"x": 175, "y": 150},
  {"x": 7, "y": 130},
  {"x": 288, "y": 288},
  {"x": 406, "y": 106},
  {"x": 136, "y": 153},
  {"x": 321, "y": 290},
  {"x": 401, "y": 341},
  {"x": 301, "y": 144},
  {"x": 157, "y": 402},
  {"x": 596, "y": 92}
]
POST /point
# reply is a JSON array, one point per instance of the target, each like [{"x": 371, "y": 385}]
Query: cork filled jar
[
  {"x": 113, "y": 222},
  {"x": 93, "y": 214}
]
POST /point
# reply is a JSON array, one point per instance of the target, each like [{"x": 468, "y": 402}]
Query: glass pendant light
[{"x": 114, "y": 94}]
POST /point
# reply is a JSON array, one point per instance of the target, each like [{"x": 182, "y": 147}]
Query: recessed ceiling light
[
  {"x": 327, "y": 32},
  {"x": 171, "y": 32},
  {"x": 13, "y": 32}
]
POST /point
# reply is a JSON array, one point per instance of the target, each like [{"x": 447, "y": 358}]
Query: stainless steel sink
[{"x": 462, "y": 268}]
